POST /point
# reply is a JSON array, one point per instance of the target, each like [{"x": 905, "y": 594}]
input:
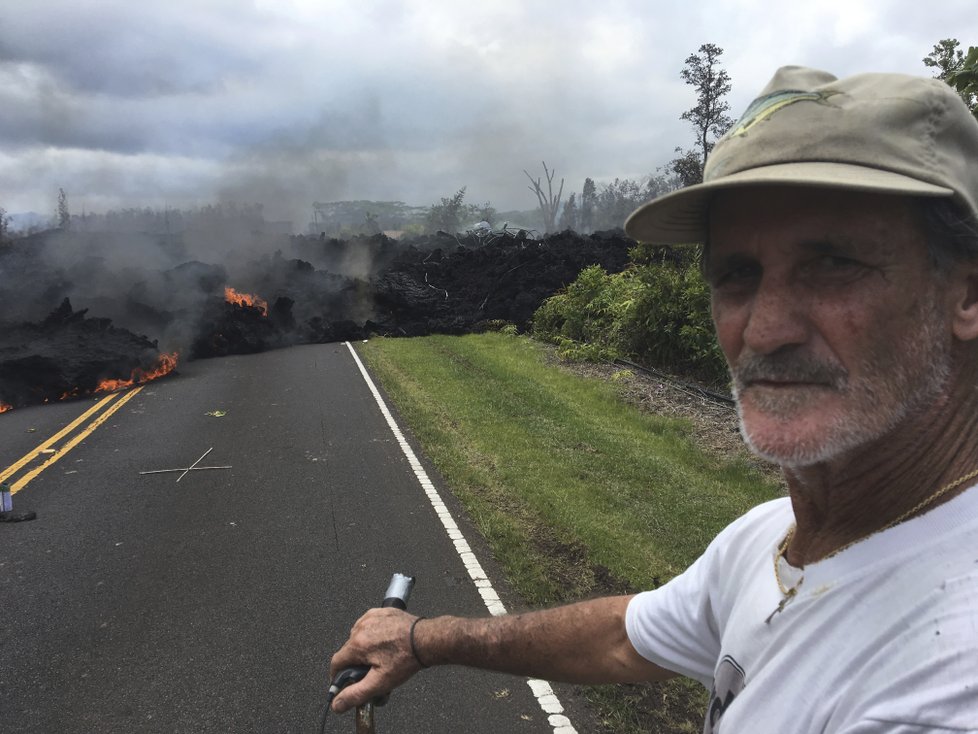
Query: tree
[
  {"x": 661, "y": 183},
  {"x": 370, "y": 223},
  {"x": 549, "y": 204},
  {"x": 447, "y": 216},
  {"x": 709, "y": 118},
  {"x": 4, "y": 224},
  {"x": 616, "y": 201},
  {"x": 959, "y": 71},
  {"x": 688, "y": 167},
  {"x": 64, "y": 216},
  {"x": 589, "y": 198},
  {"x": 569, "y": 217},
  {"x": 946, "y": 57},
  {"x": 485, "y": 213}
]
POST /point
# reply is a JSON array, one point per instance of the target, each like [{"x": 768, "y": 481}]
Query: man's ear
[{"x": 964, "y": 290}]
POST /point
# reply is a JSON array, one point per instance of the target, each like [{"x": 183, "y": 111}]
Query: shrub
[
  {"x": 670, "y": 324},
  {"x": 655, "y": 312}
]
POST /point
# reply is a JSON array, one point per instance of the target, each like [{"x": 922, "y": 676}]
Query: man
[{"x": 840, "y": 225}]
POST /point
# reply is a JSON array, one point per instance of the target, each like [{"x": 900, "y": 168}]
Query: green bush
[
  {"x": 670, "y": 325},
  {"x": 656, "y": 313},
  {"x": 583, "y": 320}
]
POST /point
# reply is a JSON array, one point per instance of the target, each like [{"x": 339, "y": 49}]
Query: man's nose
[{"x": 778, "y": 317}]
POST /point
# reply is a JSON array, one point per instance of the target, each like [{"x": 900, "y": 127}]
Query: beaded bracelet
[{"x": 414, "y": 649}]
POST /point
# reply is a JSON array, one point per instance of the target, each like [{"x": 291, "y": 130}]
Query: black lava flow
[{"x": 331, "y": 290}]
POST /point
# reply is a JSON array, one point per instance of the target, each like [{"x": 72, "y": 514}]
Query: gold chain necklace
[{"x": 789, "y": 593}]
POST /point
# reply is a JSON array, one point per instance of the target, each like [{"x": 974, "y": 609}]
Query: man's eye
[
  {"x": 835, "y": 261},
  {"x": 736, "y": 276},
  {"x": 835, "y": 267}
]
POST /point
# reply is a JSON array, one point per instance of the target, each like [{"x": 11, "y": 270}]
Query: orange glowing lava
[
  {"x": 245, "y": 299},
  {"x": 4, "y": 407},
  {"x": 164, "y": 365}
]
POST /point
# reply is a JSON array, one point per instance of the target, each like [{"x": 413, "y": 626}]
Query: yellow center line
[
  {"x": 29, "y": 457},
  {"x": 84, "y": 433}
]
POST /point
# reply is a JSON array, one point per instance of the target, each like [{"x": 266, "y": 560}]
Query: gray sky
[{"x": 286, "y": 102}]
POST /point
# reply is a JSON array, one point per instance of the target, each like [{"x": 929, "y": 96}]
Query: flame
[
  {"x": 164, "y": 365},
  {"x": 4, "y": 407},
  {"x": 245, "y": 299}
]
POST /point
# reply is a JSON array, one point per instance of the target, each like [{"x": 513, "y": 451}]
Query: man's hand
[
  {"x": 380, "y": 639},
  {"x": 579, "y": 643}
]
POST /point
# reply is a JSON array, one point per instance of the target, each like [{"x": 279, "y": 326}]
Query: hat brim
[{"x": 681, "y": 217}]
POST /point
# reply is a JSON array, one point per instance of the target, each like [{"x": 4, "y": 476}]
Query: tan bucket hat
[{"x": 885, "y": 133}]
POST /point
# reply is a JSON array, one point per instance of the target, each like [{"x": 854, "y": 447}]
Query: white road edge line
[{"x": 541, "y": 689}]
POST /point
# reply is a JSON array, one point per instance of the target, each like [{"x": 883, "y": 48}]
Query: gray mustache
[{"x": 789, "y": 366}]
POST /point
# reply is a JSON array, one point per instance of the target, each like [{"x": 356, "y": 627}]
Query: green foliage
[
  {"x": 656, "y": 313},
  {"x": 607, "y": 206},
  {"x": 616, "y": 201},
  {"x": 958, "y": 70},
  {"x": 965, "y": 80},
  {"x": 661, "y": 183},
  {"x": 587, "y": 312},
  {"x": 501, "y": 326},
  {"x": 570, "y": 217},
  {"x": 453, "y": 214},
  {"x": 708, "y": 116},
  {"x": 670, "y": 324},
  {"x": 447, "y": 215},
  {"x": 485, "y": 213},
  {"x": 945, "y": 58},
  {"x": 687, "y": 166},
  {"x": 589, "y": 197},
  {"x": 574, "y": 351}
]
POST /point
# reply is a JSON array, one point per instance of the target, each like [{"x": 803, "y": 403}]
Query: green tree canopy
[
  {"x": 960, "y": 71},
  {"x": 709, "y": 117}
]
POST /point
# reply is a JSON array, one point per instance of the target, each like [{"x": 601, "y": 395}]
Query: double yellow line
[{"x": 51, "y": 451}]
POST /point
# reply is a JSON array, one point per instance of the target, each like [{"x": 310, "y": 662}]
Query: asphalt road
[{"x": 136, "y": 603}]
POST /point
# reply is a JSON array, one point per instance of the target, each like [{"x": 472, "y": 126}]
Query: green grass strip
[
  {"x": 576, "y": 492},
  {"x": 541, "y": 456}
]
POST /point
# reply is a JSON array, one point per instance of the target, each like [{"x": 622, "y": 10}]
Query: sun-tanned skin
[
  {"x": 855, "y": 364},
  {"x": 843, "y": 281},
  {"x": 579, "y": 643}
]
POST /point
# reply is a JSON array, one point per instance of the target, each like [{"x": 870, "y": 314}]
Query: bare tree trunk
[{"x": 549, "y": 204}]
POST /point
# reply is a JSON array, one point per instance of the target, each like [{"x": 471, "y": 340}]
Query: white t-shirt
[{"x": 882, "y": 637}]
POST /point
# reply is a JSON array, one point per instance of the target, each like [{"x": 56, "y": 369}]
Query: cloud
[{"x": 300, "y": 100}]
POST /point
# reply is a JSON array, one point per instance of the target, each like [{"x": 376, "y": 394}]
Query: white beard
[{"x": 894, "y": 384}]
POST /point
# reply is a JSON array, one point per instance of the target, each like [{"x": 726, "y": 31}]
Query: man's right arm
[{"x": 579, "y": 643}]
